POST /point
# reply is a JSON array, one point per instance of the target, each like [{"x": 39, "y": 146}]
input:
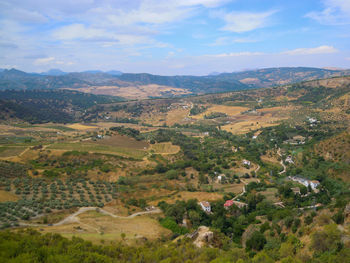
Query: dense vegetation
[{"x": 40, "y": 106}]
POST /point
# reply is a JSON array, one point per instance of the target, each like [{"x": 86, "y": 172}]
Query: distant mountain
[
  {"x": 114, "y": 72},
  {"x": 54, "y": 72},
  {"x": 281, "y": 76},
  {"x": 103, "y": 82}
]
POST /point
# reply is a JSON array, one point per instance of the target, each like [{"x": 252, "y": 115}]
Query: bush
[
  {"x": 257, "y": 241},
  {"x": 171, "y": 225}
]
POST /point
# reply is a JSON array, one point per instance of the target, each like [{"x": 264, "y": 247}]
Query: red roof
[{"x": 228, "y": 203}]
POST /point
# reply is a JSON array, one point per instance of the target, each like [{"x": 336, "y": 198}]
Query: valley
[{"x": 137, "y": 171}]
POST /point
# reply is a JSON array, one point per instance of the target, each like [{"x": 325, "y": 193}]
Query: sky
[{"x": 173, "y": 37}]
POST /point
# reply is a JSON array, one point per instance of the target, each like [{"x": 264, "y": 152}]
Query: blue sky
[{"x": 170, "y": 37}]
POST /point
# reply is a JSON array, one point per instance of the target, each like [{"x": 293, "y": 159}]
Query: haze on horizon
[{"x": 173, "y": 37}]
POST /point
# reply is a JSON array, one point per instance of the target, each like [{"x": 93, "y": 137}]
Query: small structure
[
  {"x": 229, "y": 203},
  {"x": 205, "y": 206},
  {"x": 289, "y": 160},
  {"x": 246, "y": 162},
  {"x": 296, "y": 190},
  {"x": 221, "y": 178},
  {"x": 313, "y": 184}
]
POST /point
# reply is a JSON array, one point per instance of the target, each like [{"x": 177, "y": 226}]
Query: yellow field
[
  {"x": 135, "y": 91},
  {"x": 230, "y": 188},
  {"x": 96, "y": 148},
  {"x": 165, "y": 148},
  {"x": 251, "y": 123},
  {"x": 7, "y": 196},
  {"x": 82, "y": 127},
  {"x": 176, "y": 116},
  {"x": 95, "y": 227},
  {"x": 229, "y": 110},
  {"x": 6, "y": 152}
]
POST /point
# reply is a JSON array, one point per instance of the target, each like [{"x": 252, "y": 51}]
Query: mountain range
[{"x": 143, "y": 85}]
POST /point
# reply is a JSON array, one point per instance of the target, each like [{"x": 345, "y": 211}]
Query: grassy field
[
  {"x": 7, "y": 196},
  {"x": 123, "y": 142},
  {"x": 251, "y": 123},
  {"x": 270, "y": 194},
  {"x": 97, "y": 148},
  {"x": 229, "y": 110},
  {"x": 11, "y": 151},
  {"x": 165, "y": 148},
  {"x": 200, "y": 196},
  {"x": 95, "y": 227},
  {"x": 78, "y": 126},
  {"x": 176, "y": 116}
]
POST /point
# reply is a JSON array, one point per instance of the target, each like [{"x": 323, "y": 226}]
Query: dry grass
[
  {"x": 123, "y": 141},
  {"x": 270, "y": 194},
  {"x": 230, "y": 188},
  {"x": 251, "y": 123},
  {"x": 135, "y": 91},
  {"x": 7, "y": 196},
  {"x": 165, "y": 148},
  {"x": 229, "y": 110},
  {"x": 96, "y": 148},
  {"x": 82, "y": 127},
  {"x": 185, "y": 196},
  {"x": 95, "y": 226},
  {"x": 176, "y": 116},
  {"x": 6, "y": 152}
]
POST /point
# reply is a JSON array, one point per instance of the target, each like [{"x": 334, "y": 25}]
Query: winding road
[{"x": 281, "y": 162}]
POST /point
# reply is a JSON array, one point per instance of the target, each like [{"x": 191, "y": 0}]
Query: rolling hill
[{"x": 143, "y": 85}]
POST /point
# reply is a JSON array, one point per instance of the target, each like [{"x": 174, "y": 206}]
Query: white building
[
  {"x": 313, "y": 184},
  {"x": 289, "y": 160},
  {"x": 246, "y": 162},
  {"x": 221, "y": 177},
  {"x": 205, "y": 206}
]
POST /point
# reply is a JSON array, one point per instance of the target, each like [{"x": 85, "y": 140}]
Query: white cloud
[
  {"x": 240, "y": 22},
  {"x": 44, "y": 61},
  {"x": 336, "y": 12},
  {"x": 222, "y": 41},
  {"x": 311, "y": 51},
  {"x": 236, "y": 54}
]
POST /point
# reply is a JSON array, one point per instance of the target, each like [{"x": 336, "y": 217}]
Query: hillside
[
  {"x": 270, "y": 164},
  {"x": 38, "y": 106},
  {"x": 140, "y": 86}
]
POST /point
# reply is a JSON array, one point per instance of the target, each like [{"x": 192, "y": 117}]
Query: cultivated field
[
  {"x": 229, "y": 110},
  {"x": 96, "y": 148}
]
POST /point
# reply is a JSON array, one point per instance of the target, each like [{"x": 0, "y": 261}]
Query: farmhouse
[
  {"x": 296, "y": 190},
  {"x": 205, "y": 206},
  {"x": 313, "y": 184},
  {"x": 246, "y": 162},
  {"x": 221, "y": 177},
  {"x": 289, "y": 160},
  {"x": 229, "y": 203}
]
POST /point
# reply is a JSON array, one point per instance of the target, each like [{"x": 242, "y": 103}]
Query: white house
[
  {"x": 205, "y": 206},
  {"x": 289, "y": 160},
  {"x": 221, "y": 177},
  {"x": 313, "y": 184},
  {"x": 246, "y": 162}
]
